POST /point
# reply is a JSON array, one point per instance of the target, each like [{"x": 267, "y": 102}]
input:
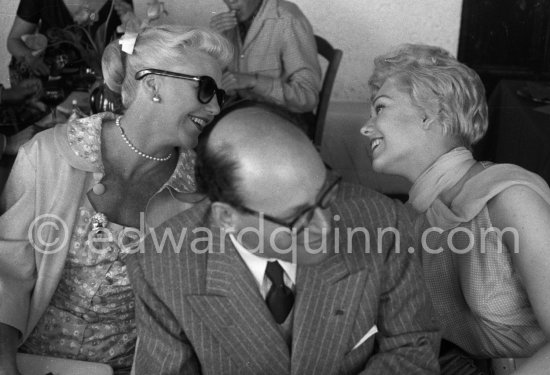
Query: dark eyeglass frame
[
  {"x": 204, "y": 82},
  {"x": 307, "y": 213}
]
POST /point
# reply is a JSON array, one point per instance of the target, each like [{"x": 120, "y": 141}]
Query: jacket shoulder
[
  {"x": 42, "y": 149},
  {"x": 371, "y": 225},
  {"x": 169, "y": 248},
  {"x": 363, "y": 205},
  {"x": 287, "y": 9}
]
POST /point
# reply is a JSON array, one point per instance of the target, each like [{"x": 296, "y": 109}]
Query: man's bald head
[
  {"x": 252, "y": 148},
  {"x": 264, "y": 176}
]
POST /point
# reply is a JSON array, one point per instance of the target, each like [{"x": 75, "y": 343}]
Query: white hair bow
[{"x": 128, "y": 41}]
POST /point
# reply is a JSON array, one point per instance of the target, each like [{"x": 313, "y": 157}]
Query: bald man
[{"x": 266, "y": 276}]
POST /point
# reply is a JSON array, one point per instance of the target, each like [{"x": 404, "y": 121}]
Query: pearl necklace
[{"x": 142, "y": 154}]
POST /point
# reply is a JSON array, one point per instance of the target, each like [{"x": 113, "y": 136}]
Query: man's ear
[{"x": 225, "y": 216}]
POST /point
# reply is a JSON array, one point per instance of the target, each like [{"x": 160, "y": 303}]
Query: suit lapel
[
  {"x": 328, "y": 297},
  {"x": 233, "y": 309}
]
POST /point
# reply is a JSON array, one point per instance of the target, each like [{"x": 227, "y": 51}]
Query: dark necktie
[{"x": 279, "y": 298}]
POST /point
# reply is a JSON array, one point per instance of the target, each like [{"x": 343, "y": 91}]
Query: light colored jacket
[
  {"x": 39, "y": 205},
  {"x": 280, "y": 47}
]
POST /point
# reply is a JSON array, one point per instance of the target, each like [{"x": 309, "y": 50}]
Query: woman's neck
[
  {"x": 424, "y": 161},
  {"x": 431, "y": 153},
  {"x": 122, "y": 158},
  {"x": 442, "y": 179}
]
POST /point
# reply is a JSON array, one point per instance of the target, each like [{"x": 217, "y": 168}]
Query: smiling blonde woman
[
  {"x": 483, "y": 226},
  {"x": 100, "y": 180}
]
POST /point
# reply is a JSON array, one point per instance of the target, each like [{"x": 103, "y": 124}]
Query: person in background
[
  {"x": 275, "y": 57},
  {"x": 103, "y": 181},
  {"x": 9, "y": 145},
  {"x": 20, "y": 92},
  {"x": 483, "y": 226},
  {"x": 100, "y": 16},
  {"x": 264, "y": 277}
]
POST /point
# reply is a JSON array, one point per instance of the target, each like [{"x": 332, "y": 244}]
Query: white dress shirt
[{"x": 257, "y": 266}]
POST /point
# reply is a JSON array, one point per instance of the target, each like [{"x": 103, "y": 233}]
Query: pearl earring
[{"x": 156, "y": 98}]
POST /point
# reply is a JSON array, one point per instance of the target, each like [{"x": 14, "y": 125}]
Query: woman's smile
[{"x": 199, "y": 122}]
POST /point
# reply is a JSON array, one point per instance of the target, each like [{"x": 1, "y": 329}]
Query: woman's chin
[
  {"x": 187, "y": 142},
  {"x": 379, "y": 166}
]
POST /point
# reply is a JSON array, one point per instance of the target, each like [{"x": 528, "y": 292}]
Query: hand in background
[
  {"x": 232, "y": 81},
  {"x": 36, "y": 65},
  {"x": 33, "y": 85},
  {"x": 17, "y": 140},
  {"x": 225, "y": 21},
  {"x": 26, "y": 89},
  {"x": 122, "y": 7}
]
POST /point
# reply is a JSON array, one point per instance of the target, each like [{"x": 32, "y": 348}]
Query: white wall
[
  {"x": 363, "y": 29},
  {"x": 7, "y": 14}
]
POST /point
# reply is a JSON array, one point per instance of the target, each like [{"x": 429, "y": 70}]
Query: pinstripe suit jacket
[{"x": 200, "y": 311}]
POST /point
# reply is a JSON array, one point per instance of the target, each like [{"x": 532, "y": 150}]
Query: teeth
[
  {"x": 200, "y": 123},
  {"x": 375, "y": 143}
]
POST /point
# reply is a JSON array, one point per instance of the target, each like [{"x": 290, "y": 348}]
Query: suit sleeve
[
  {"x": 408, "y": 339},
  {"x": 298, "y": 89},
  {"x": 162, "y": 346}
]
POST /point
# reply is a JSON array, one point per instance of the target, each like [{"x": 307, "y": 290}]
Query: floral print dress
[{"x": 91, "y": 315}]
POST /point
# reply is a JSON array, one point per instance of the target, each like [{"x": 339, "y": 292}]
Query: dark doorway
[{"x": 506, "y": 39}]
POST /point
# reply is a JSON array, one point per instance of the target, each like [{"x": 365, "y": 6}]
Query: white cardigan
[{"x": 48, "y": 179}]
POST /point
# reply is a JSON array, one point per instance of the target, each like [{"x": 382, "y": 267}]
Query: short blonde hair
[
  {"x": 438, "y": 84},
  {"x": 161, "y": 47}
]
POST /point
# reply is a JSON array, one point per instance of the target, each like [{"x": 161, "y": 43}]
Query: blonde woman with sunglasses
[{"x": 82, "y": 194}]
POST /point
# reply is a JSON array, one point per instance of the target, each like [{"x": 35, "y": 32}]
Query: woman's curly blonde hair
[{"x": 440, "y": 85}]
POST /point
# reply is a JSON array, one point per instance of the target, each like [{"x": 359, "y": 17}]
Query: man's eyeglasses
[
  {"x": 302, "y": 219},
  {"x": 207, "y": 86}
]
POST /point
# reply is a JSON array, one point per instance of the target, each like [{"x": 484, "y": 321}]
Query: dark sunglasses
[
  {"x": 302, "y": 219},
  {"x": 207, "y": 86}
]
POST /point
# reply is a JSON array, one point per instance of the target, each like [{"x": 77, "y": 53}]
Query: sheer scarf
[
  {"x": 442, "y": 175},
  {"x": 447, "y": 171}
]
